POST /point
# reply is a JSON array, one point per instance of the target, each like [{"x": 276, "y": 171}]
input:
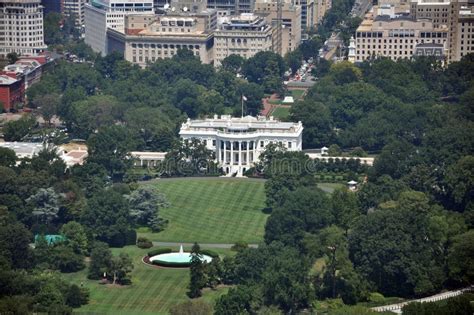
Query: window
[
  {"x": 289, "y": 144},
  {"x": 262, "y": 144}
]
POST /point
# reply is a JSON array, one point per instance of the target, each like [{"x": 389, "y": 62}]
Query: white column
[
  {"x": 248, "y": 152},
  {"x": 225, "y": 153},
  {"x": 240, "y": 153},
  {"x": 232, "y": 153}
]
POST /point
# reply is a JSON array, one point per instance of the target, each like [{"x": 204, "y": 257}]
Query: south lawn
[
  {"x": 153, "y": 290},
  {"x": 211, "y": 210}
]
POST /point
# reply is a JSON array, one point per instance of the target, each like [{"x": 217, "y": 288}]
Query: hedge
[
  {"x": 159, "y": 251},
  {"x": 210, "y": 253},
  {"x": 171, "y": 264}
]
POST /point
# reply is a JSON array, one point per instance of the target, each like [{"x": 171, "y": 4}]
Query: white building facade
[
  {"x": 103, "y": 14},
  {"x": 238, "y": 142},
  {"x": 21, "y": 27}
]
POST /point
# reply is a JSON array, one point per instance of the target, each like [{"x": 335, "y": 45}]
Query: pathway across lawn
[{"x": 211, "y": 210}]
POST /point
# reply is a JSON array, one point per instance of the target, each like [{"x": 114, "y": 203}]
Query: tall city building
[
  {"x": 103, "y": 14},
  {"x": 21, "y": 27},
  {"x": 235, "y": 7},
  {"x": 147, "y": 38},
  {"x": 291, "y": 22},
  {"x": 76, "y": 9},
  {"x": 52, "y": 6},
  {"x": 397, "y": 36},
  {"x": 307, "y": 13},
  {"x": 244, "y": 35},
  {"x": 465, "y": 33}
]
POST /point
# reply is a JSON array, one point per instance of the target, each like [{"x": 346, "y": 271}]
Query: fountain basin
[{"x": 176, "y": 259}]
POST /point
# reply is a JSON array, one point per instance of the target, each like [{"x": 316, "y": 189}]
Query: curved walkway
[
  {"x": 203, "y": 245},
  {"x": 397, "y": 308}
]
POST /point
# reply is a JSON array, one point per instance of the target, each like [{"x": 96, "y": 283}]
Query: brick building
[{"x": 12, "y": 91}]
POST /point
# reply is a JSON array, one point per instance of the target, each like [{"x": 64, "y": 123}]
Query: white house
[{"x": 238, "y": 142}]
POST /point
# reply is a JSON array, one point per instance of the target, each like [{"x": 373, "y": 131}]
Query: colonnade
[{"x": 236, "y": 152}]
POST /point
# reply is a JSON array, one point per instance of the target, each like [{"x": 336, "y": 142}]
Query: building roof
[
  {"x": 6, "y": 80},
  {"x": 241, "y": 124}
]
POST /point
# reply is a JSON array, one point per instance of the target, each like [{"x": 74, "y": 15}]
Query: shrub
[
  {"x": 210, "y": 253},
  {"x": 143, "y": 242},
  {"x": 376, "y": 297},
  {"x": 159, "y": 251},
  {"x": 237, "y": 247},
  {"x": 171, "y": 264}
]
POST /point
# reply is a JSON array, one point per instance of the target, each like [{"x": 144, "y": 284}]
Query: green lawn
[
  {"x": 330, "y": 187},
  {"x": 153, "y": 290},
  {"x": 297, "y": 94},
  {"x": 282, "y": 113},
  {"x": 211, "y": 210}
]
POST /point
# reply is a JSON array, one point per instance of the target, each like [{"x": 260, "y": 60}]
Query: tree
[
  {"x": 45, "y": 204},
  {"x": 17, "y": 130},
  {"x": 101, "y": 257},
  {"x": 145, "y": 202},
  {"x": 460, "y": 257},
  {"x": 48, "y": 106},
  {"x": 76, "y": 237},
  {"x": 391, "y": 248},
  {"x": 198, "y": 279},
  {"x": 334, "y": 150},
  {"x": 239, "y": 300},
  {"x": 306, "y": 209},
  {"x": 12, "y": 57},
  {"x": 293, "y": 60},
  {"x": 120, "y": 268},
  {"x": 7, "y": 157},
  {"x": 111, "y": 147},
  {"x": 14, "y": 244},
  {"x": 460, "y": 181},
  {"x": 107, "y": 218},
  {"x": 317, "y": 121},
  {"x": 66, "y": 260},
  {"x": 233, "y": 63},
  {"x": 76, "y": 296},
  {"x": 93, "y": 113},
  {"x": 194, "y": 307},
  {"x": 254, "y": 94},
  {"x": 345, "y": 207}
]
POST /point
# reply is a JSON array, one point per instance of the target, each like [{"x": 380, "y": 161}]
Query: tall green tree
[{"x": 198, "y": 278}]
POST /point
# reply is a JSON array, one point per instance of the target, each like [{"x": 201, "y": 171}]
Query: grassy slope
[
  {"x": 212, "y": 210},
  {"x": 153, "y": 291}
]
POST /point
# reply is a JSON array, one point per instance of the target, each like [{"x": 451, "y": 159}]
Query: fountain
[{"x": 180, "y": 259}]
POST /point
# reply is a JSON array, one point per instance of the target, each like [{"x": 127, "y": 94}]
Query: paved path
[
  {"x": 397, "y": 308},
  {"x": 203, "y": 245}
]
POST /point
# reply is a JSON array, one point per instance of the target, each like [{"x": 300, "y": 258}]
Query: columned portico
[{"x": 238, "y": 142}]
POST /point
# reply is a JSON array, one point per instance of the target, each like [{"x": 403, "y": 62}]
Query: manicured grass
[
  {"x": 297, "y": 94},
  {"x": 153, "y": 290},
  {"x": 282, "y": 113},
  {"x": 330, "y": 187},
  {"x": 211, "y": 210}
]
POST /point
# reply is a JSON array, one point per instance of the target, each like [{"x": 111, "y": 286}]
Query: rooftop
[{"x": 231, "y": 124}]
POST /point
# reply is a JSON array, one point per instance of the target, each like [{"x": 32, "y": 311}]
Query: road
[
  {"x": 203, "y": 245},
  {"x": 397, "y": 308}
]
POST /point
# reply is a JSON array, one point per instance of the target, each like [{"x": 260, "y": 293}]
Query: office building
[
  {"x": 149, "y": 37},
  {"x": 21, "y": 25},
  {"x": 103, "y": 14},
  {"x": 244, "y": 35},
  {"x": 238, "y": 142},
  {"x": 75, "y": 8},
  {"x": 465, "y": 33},
  {"x": 234, "y": 7},
  {"x": 396, "y": 36},
  {"x": 291, "y": 23}
]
